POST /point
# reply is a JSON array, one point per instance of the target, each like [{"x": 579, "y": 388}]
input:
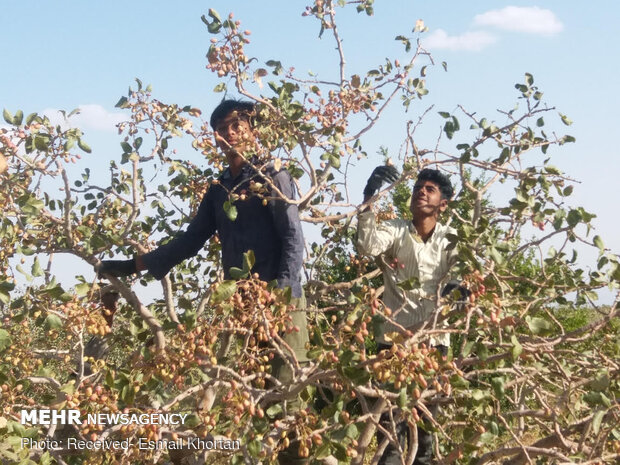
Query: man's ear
[{"x": 443, "y": 204}]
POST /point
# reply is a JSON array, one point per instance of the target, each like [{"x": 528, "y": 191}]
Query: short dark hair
[
  {"x": 226, "y": 107},
  {"x": 442, "y": 180}
]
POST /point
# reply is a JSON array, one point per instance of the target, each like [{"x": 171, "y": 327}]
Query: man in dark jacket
[
  {"x": 269, "y": 226},
  {"x": 273, "y": 231}
]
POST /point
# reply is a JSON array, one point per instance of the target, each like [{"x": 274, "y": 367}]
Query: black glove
[
  {"x": 454, "y": 285},
  {"x": 380, "y": 175},
  {"x": 116, "y": 268}
]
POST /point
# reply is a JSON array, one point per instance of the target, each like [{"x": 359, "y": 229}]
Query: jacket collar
[{"x": 246, "y": 169}]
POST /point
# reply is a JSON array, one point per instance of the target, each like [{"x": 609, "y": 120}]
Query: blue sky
[{"x": 65, "y": 54}]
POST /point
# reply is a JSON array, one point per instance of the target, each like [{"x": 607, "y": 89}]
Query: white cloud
[
  {"x": 469, "y": 41},
  {"x": 532, "y": 20},
  {"x": 90, "y": 116}
]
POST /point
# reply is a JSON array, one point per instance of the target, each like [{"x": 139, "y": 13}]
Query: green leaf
[
  {"x": 224, "y": 291},
  {"x": 230, "y": 210},
  {"x": 323, "y": 451},
  {"x": 277, "y": 67},
  {"x": 597, "y": 420},
  {"x": 351, "y": 431},
  {"x": 46, "y": 459},
  {"x": 529, "y": 79},
  {"x": 192, "y": 421},
  {"x": 486, "y": 438},
  {"x": 19, "y": 117},
  {"x": 498, "y": 386},
  {"x": 248, "y": 260},
  {"x": 409, "y": 284},
  {"x": 237, "y": 273},
  {"x": 30, "y": 118},
  {"x": 467, "y": 348},
  {"x": 254, "y": 447},
  {"x": 565, "y": 120},
  {"x": 482, "y": 351},
  {"x": 5, "y": 288},
  {"x": 538, "y": 326},
  {"x": 36, "y": 268},
  {"x": 5, "y": 339},
  {"x": 567, "y": 138},
  {"x": 334, "y": 160},
  {"x": 8, "y": 117},
  {"x": 357, "y": 375},
  {"x": 597, "y": 398},
  {"x": 517, "y": 348},
  {"x": 402, "y": 398},
  {"x": 41, "y": 142},
  {"x": 215, "y": 25},
  {"x": 52, "y": 322},
  {"x": 33, "y": 206},
  {"x": 215, "y": 15},
  {"x": 573, "y": 218},
  {"x": 54, "y": 290},
  {"x": 600, "y": 383},
  {"x": 597, "y": 241},
  {"x": 458, "y": 381},
  {"x": 274, "y": 410},
  {"x": 82, "y": 289},
  {"x": 521, "y": 88},
  {"x": 496, "y": 256},
  {"x": 340, "y": 452},
  {"x": 122, "y": 103}
]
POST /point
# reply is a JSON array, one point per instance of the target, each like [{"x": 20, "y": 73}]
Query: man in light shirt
[{"x": 415, "y": 250}]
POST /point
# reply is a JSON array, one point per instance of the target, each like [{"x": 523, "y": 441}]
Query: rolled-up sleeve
[
  {"x": 373, "y": 239},
  {"x": 184, "y": 245},
  {"x": 288, "y": 227}
]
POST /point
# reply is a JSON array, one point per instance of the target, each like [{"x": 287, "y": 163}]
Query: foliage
[{"x": 533, "y": 373}]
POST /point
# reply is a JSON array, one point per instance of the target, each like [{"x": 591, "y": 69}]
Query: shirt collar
[{"x": 416, "y": 237}]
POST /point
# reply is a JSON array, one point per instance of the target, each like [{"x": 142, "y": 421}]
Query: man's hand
[
  {"x": 380, "y": 175},
  {"x": 116, "y": 268},
  {"x": 455, "y": 285}
]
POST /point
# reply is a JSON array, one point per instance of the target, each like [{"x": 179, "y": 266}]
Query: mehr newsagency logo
[{"x": 74, "y": 417}]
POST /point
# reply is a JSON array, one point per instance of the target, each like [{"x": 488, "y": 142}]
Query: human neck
[
  {"x": 235, "y": 164},
  {"x": 425, "y": 226}
]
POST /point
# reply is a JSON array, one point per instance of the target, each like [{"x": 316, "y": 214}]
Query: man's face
[
  {"x": 233, "y": 134},
  {"x": 426, "y": 199}
]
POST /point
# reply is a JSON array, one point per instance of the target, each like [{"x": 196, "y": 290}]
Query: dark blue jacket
[{"x": 272, "y": 231}]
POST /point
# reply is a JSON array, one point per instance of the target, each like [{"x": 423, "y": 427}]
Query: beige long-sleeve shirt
[{"x": 428, "y": 261}]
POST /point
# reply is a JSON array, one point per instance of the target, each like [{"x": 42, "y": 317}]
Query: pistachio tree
[{"x": 532, "y": 375}]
